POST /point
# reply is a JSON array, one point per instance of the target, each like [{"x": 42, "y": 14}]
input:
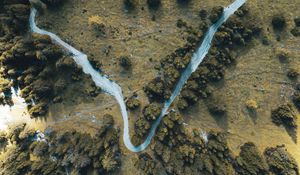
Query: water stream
[{"x": 115, "y": 90}]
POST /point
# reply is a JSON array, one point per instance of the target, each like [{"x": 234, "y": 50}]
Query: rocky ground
[{"x": 245, "y": 94}]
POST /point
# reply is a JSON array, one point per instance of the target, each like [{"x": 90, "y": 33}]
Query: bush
[
  {"x": 125, "y": 62},
  {"x": 278, "y": 22},
  {"x": 153, "y": 4}
]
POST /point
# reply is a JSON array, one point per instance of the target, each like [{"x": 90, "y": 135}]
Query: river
[{"x": 112, "y": 88}]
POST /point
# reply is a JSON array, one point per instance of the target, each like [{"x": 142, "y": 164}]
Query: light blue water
[{"x": 115, "y": 90}]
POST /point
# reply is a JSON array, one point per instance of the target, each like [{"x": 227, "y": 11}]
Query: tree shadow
[
  {"x": 126, "y": 73},
  {"x": 292, "y": 132},
  {"x": 3, "y": 144},
  {"x": 221, "y": 120},
  {"x": 253, "y": 115},
  {"x": 183, "y": 3},
  {"x": 129, "y": 6},
  {"x": 217, "y": 109}
]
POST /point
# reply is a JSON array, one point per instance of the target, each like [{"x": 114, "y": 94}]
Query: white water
[{"x": 115, "y": 90}]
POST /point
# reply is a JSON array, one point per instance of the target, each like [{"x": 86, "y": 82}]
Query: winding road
[{"x": 115, "y": 90}]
